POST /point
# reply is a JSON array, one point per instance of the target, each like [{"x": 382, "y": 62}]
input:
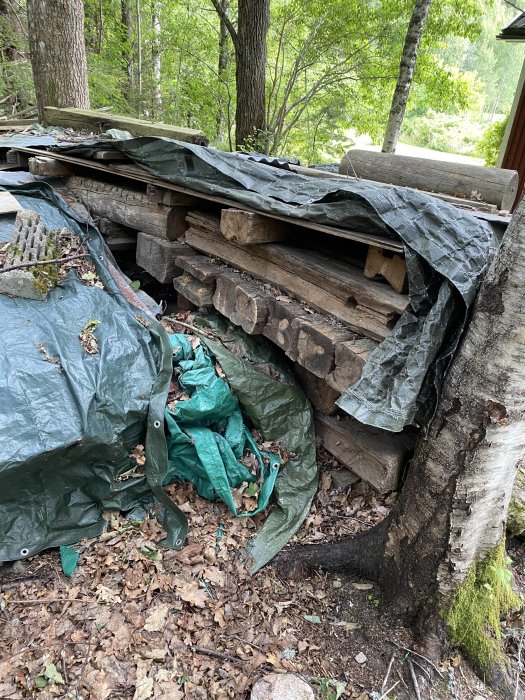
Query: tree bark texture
[
  {"x": 414, "y": 33},
  {"x": 250, "y": 53},
  {"x": 223, "y": 63},
  {"x": 127, "y": 39},
  {"x": 156, "y": 58},
  {"x": 58, "y": 54},
  {"x": 453, "y": 506}
]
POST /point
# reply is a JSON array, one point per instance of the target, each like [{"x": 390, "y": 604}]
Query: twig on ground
[
  {"x": 385, "y": 680},
  {"x": 414, "y": 678},
  {"x": 35, "y": 263},
  {"x": 216, "y": 654},
  {"x": 389, "y": 690},
  {"x": 436, "y": 669},
  {"x": 401, "y": 678},
  {"x": 198, "y": 331},
  {"x": 245, "y": 641},
  {"x": 422, "y": 668},
  {"x": 516, "y": 691}
]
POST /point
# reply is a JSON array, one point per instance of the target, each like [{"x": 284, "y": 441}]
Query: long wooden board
[
  {"x": 93, "y": 120},
  {"x": 136, "y": 173}
]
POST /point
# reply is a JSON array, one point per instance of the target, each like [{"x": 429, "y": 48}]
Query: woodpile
[{"x": 324, "y": 295}]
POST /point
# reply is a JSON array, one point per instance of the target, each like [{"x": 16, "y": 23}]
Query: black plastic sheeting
[
  {"x": 447, "y": 252},
  {"x": 66, "y": 430}
]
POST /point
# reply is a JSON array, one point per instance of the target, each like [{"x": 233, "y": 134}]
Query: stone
[
  {"x": 342, "y": 479},
  {"x": 282, "y": 686},
  {"x": 31, "y": 242},
  {"x": 360, "y": 658}
]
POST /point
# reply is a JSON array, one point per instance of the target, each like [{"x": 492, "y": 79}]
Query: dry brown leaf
[
  {"x": 143, "y": 688},
  {"x": 156, "y": 620},
  {"x": 194, "y": 595}
]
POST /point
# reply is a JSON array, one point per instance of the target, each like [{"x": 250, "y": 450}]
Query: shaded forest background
[{"x": 331, "y": 70}]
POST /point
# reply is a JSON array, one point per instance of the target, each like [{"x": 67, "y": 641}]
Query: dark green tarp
[
  {"x": 66, "y": 430},
  {"x": 447, "y": 252}
]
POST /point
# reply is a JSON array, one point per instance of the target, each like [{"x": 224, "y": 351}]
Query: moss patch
[{"x": 480, "y": 602}]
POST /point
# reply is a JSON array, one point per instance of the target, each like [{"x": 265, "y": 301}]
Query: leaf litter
[{"x": 137, "y": 621}]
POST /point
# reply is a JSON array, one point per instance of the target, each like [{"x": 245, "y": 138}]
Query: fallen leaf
[
  {"x": 314, "y": 619},
  {"x": 192, "y": 594},
  {"x": 156, "y": 620},
  {"x": 143, "y": 689},
  {"x": 363, "y": 586}
]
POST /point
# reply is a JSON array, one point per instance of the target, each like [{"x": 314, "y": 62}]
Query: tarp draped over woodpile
[
  {"x": 69, "y": 420},
  {"x": 447, "y": 252}
]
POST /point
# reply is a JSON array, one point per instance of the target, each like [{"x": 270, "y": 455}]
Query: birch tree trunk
[
  {"x": 452, "y": 510},
  {"x": 414, "y": 33},
  {"x": 58, "y": 55},
  {"x": 127, "y": 39},
  {"x": 155, "y": 58}
]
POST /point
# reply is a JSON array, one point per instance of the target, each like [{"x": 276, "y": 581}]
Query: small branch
[
  {"x": 436, "y": 669},
  {"x": 385, "y": 694},
  {"x": 197, "y": 331},
  {"x": 385, "y": 681},
  {"x": 414, "y": 679},
  {"x": 229, "y": 26},
  {"x": 44, "y": 262},
  {"x": 216, "y": 654}
]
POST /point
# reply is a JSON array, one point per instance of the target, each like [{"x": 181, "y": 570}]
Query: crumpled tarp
[
  {"x": 275, "y": 404},
  {"x": 66, "y": 430},
  {"x": 447, "y": 252}
]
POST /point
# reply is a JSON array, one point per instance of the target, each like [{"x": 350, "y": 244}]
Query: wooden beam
[
  {"x": 49, "y": 167},
  {"x": 392, "y": 267},
  {"x": 376, "y": 456},
  {"x": 246, "y": 228},
  {"x": 194, "y": 291},
  {"x": 129, "y": 207},
  {"x": 98, "y": 122}
]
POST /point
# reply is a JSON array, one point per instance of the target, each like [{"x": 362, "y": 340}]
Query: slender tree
[
  {"x": 249, "y": 41},
  {"x": 414, "y": 33},
  {"x": 58, "y": 55},
  {"x": 440, "y": 554},
  {"x": 156, "y": 57}
]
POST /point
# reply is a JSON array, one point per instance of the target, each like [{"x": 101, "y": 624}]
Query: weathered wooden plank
[
  {"x": 494, "y": 185},
  {"x": 374, "y": 455},
  {"x": 339, "y": 277},
  {"x": 392, "y": 268},
  {"x": 247, "y": 228},
  {"x": 320, "y": 394},
  {"x": 99, "y": 122},
  {"x": 193, "y": 290},
  {"x": 159, "y": 257},
  {"x": 241, "y": 301},
  {"x": 316, "y": 341},
  {"x": 201, "y": 267},
  {"x": 129, "y": 207},
  {"x": 359, "y": 319}
]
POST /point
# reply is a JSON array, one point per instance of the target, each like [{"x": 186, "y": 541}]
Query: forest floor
[{"x": 137, "y": 621}]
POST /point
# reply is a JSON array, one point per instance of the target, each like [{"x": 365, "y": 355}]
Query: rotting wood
[
  {"x": 110, "y": 155},
  {"x": 91, "y": 120},
  {"x": 196, "y": 292},
  {"x": 138, "y": 174},
  {"x": 358, "y": 318},
  {"x": 316, "y": 341},
  {"x": 49, "y": 167},
  {"x": 376, "y": 456},
  {"x": 247, "y": 228},
  {"x": 129, "y": 207},
  {"x": 241, "y": 302},
  {"x": 493, "y": 185},
  {"x": 350, "y": 358},
  {"x": 159, "y": 257},
  {"x": 200, "y": 266},
  {"x": 392, "y": 268},
  {"x": 16, "y": 159},
  {"x": 319, "y": 393}
]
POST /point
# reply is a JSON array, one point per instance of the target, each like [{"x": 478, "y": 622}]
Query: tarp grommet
[
  {"x": 156, "y": 424},
  {"x": 178, "y": 543},
  {"x": 24, "y": 552}
]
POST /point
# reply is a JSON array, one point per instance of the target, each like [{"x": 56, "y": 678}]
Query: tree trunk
[
  {"x": 58, "y": 55},
  {"x": 250, "y": 52},
  {"x": 224, "y": 61},
  {"x": 155, "y": 58},
  {"x": 139, "y": 57},
  {"x": 414, "y": 33},
  {"x": 452, "y": 510},
  {"x": 127, "y": 38},
  {"x": 11, "y": 28}
]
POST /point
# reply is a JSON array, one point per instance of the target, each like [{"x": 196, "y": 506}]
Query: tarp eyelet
[
  {"x": 156, "y": 424},
  {"x": 24, "y": 552}
]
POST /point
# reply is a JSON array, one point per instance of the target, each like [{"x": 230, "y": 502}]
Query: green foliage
[
  {"x": 490, "y": 142},
  {"x": 329, "y": 688},
  {"x": 479, "y": 604},
  {"x": 442, "y": 132}
]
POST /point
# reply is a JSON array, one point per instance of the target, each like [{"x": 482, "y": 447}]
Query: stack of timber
[{"x": 325, "y": 313}]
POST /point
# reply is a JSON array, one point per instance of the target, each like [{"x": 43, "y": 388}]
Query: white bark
[
  {"x": 414, "y": 33},
  {"x": 156, "y": 54}
]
